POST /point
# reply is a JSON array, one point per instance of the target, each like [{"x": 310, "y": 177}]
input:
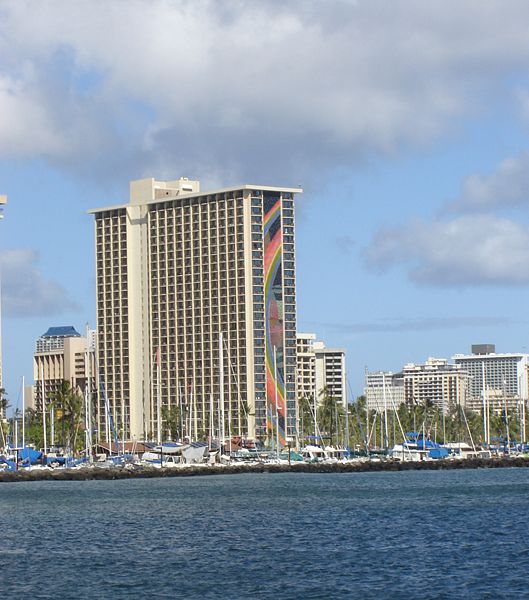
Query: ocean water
[{"x": 408, "y": 535}]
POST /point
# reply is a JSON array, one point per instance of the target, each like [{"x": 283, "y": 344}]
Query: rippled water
[{"x": 453, "y": 534}]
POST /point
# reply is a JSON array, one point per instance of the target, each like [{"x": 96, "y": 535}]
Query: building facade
[
  {"x": 61, "y": 354},
  {"x": 384, "y": 390},
  {"x": 502, "y": 379},
  {"x": 189, "y": 282}
]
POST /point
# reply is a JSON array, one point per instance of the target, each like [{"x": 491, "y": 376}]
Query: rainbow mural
[{"x": 274, "y": 323}]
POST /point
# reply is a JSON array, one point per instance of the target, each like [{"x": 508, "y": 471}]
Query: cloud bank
[
  {"x": 468, "y": 250},
  {"x": 507, "y": 186},
  {"x": 253, "y": 90},
  {"x": 26, "y": 292}
]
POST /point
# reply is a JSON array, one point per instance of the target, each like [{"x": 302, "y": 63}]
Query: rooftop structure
[{"x": 54, "y": 338}]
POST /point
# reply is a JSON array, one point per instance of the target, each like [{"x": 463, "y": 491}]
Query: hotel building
[{"x": 181, "y": 277}]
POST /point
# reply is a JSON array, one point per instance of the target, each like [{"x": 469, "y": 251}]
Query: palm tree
[
  {"x": 171, "y": 418},
  {"x": 4, "y": 405},
  {"x": 329, "y": 414},
  {"x": 68, "y": 404}
]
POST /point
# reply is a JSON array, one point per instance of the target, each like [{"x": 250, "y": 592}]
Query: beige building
[
  {"x": 444, "y": 385},
  {"x": 320, "y": 368},
  {"x": 180, "y": 274},
  {"x": 61, "y": 354},
  {"x": 306, "y": 366}
]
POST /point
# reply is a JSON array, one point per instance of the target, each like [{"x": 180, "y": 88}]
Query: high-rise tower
[{"x": 180, "y": 274}]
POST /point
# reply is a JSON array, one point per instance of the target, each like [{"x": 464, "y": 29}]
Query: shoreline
[{"x": 140, "y": 472}]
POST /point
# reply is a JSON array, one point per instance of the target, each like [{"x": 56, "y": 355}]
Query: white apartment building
[
  {"x": 177, "y": 271},
  {"x": 319, "y": 368},
  {"x": 61, "y": 354},
  {"x": 384, "y": 390},
  {"x": 501, "y": 377}
]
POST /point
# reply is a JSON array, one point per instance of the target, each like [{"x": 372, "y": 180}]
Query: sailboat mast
[
  {"x": 221, "y": 390},
  {"x": 346, "y": 419},
  {"x": 23, "y": 411},
  {"x": 485, "y": 427},
  {"x": 385, "y": 412},
  {"x": 88, "y": 391},
  {"x": 43, "y": 408},
  {"x": 277, "y": 407},
  {"x": 210, "y": 421},
  {"x": 158, "y": 398}
]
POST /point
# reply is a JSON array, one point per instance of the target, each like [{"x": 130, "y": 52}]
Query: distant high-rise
[
  {"x": 501, "y": 377},
  {"x": 177, "y": 271}
]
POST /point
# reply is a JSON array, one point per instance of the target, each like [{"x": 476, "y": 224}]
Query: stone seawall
[{"x": 139, "y": 472}]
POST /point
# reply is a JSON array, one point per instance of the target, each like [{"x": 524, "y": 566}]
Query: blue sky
[{"x": 406, "y": 123}]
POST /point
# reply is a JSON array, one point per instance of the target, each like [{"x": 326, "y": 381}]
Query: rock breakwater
[{"x": 139, "y": 472}]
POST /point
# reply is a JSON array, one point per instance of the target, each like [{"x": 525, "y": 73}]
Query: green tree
[
  {"x": 171, "y": 422},
  {"x": 306, "y": 419},
  {"x": 330, "y": 416},
  {"x": 34, "y": 429},
  {"x": 4, "y": 425}
]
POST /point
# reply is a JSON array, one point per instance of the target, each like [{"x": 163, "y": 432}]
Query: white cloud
[
  {"x": 245, "y": 88},
  {"x": 468, "y": 250},
  {"x": 505, "y": 187},
  {"x": 25, "y": 291}
]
